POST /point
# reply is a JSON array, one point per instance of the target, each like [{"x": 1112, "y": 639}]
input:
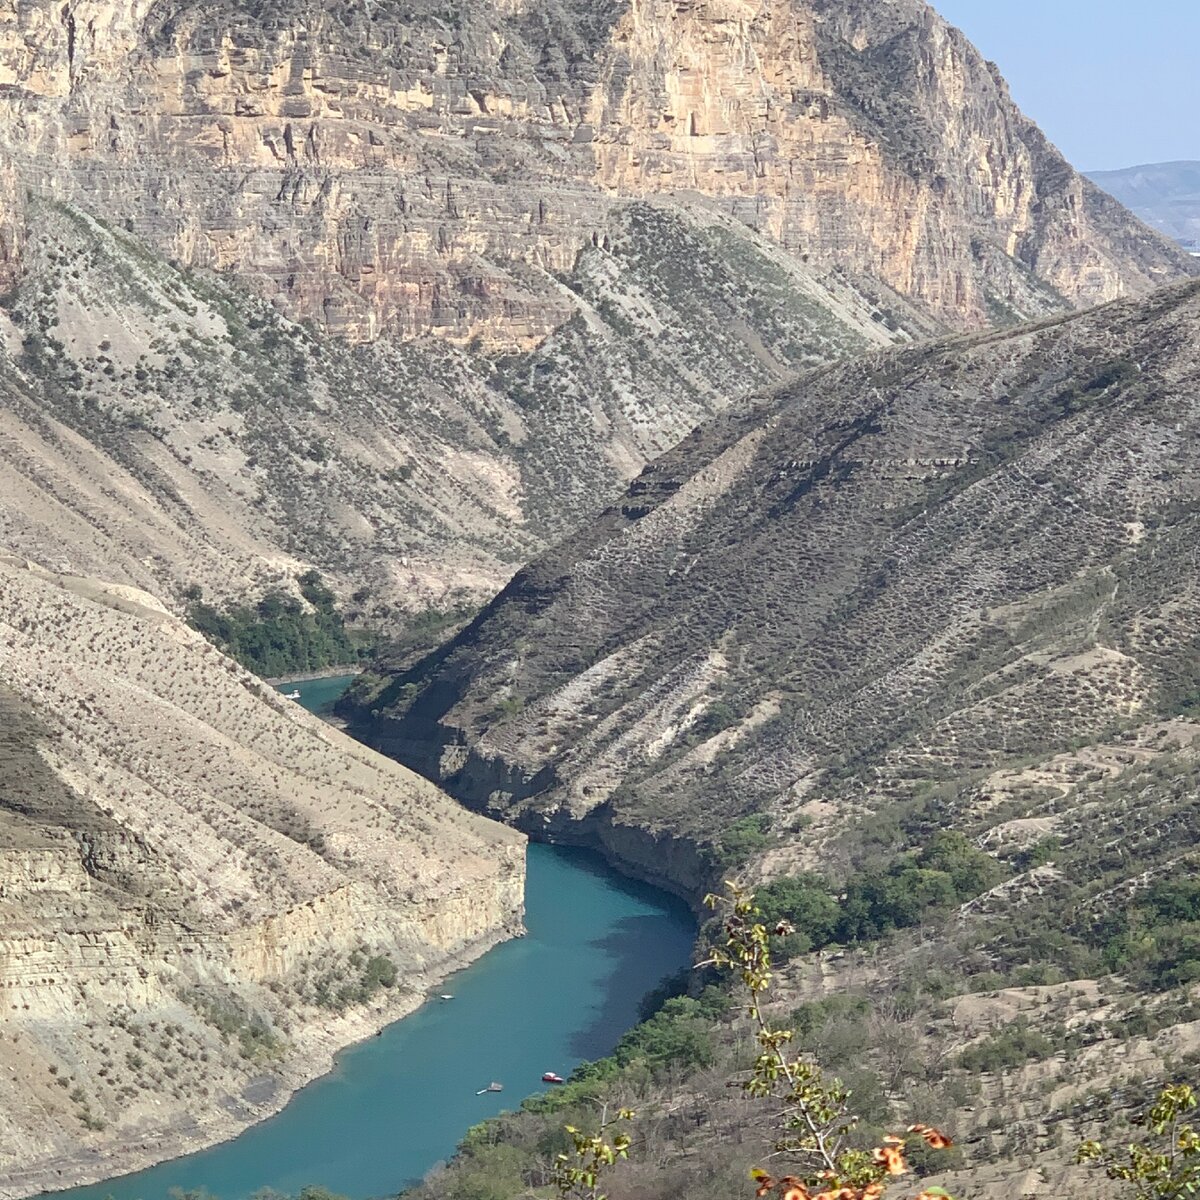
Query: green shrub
[
  {"x": 719, "y": 715},
  {"x": 1012, "y": 1046},
  {"x": 278, "y": 635},
  {"x": 949, "y": 870},
  {"x": 678, "y": 1035},
  {"x": 744, "y": 838}
]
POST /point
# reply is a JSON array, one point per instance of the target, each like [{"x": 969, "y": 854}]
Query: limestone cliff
[
  {"x": 161, "y": 427},
  {"x": 435, "y": 168},
  {"x": 195, "y": 878},
  {"x": 406, "y": 293}
]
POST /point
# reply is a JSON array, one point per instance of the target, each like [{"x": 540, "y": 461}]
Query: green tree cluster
[
  {"x": 741, "y": 840},
  {"x": 948, "y": 871},
  {"x": 281, "y": 635},
  {"x": 1012, "y": 1046},
  {"x": 1155, "y": 941},
  {"x": 679, "y": 1034},
  {"x": 374, "y": 973}
]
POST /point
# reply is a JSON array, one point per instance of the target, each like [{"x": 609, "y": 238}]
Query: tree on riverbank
[{"x": 281, "y": 635}]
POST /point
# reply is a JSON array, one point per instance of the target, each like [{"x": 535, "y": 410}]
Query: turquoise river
[{"x": 397, "y": 1104}]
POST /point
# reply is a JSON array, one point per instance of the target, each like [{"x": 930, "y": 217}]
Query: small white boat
[
  {"x": 291, "y": 695},
  {"x": 447, "y": 996}
]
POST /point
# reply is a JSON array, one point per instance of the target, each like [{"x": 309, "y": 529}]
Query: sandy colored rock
[
  {"x": 194, "y": 873},
  {"x": 408, "y": 295},
  {"x": 418, "y": 172}
]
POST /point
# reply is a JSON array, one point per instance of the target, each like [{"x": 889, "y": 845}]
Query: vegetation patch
[
  {"x": 281, "y": 635},
  {"x": 367, "y": 975},
  {"x": 948, "y": 871},
  {"x": 252, "y": 1033}
]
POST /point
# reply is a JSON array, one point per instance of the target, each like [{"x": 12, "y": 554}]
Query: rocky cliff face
[
  {"x": 435, "y": 170},
  {"x": 194, "y": 878},
  {"x": 546, "y": 241},
  {"x": 162, "y": 427}
]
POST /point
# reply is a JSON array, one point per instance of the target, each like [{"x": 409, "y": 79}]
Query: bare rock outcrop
[
  {"x": 162, "y": 427},
  {"x": 406, "y": 294}
]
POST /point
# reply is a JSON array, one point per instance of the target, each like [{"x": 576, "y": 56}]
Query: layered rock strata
[
  {"x": 547, "y": 240},
  {"x": 436, "y": 169},
  {"x": 162, "y": 428}
]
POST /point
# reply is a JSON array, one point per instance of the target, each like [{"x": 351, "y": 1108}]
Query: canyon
[
  {"x": 686, "y": 326},
  {"x": 941, "y": 591},
  {"x": 841, "y": 587},
  {"x": 406, "y": 295}
]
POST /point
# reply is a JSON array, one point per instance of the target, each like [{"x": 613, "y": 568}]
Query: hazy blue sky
[{"x": 1114, "y": 83}]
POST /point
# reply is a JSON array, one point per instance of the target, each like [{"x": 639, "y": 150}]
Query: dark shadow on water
[
  {"x": 594, "y": 863},
  {"x": 644, "y": 951}
]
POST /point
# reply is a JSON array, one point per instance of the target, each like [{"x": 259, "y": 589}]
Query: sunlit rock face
[
  {"x": 432, "y": 169},
  {"x": 407, "y": 293},
  {"x": 195, "y": 875}
]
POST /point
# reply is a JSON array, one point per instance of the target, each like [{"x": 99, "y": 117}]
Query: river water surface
[{"x": 397, "y": 1104}]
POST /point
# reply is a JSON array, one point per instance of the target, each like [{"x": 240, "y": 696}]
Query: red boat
[{"x": 550, "y": 1077}]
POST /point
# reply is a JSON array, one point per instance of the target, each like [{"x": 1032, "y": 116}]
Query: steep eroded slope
[
  {"x": 204, "y": 891},
  {"x": 908, "y": 568}
]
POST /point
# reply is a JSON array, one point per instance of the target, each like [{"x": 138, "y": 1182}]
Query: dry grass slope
[
  {"x": 951, "y": 587},
  {"x": 163, "y": 427}
]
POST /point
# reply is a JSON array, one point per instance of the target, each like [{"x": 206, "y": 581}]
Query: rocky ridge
[
  {"x": 407, "y": 295},
  {"x": 836, "y": 594},
  {"x": 163, "y": 427},
  {"x": 204, "y": 891}
]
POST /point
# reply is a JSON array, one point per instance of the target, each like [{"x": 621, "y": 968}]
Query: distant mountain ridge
[{"x": 1165, "y": 195}]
